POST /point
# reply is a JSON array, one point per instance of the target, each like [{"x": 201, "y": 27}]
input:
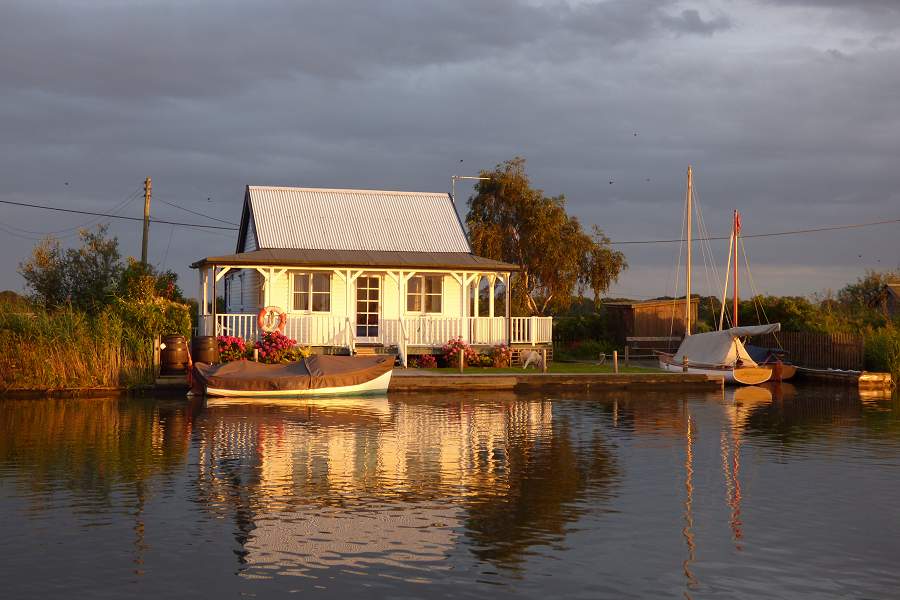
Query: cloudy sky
[{"x": 787, "y": 109}]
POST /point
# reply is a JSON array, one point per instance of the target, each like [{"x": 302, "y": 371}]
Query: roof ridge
[{"x": 346, "y": 190}]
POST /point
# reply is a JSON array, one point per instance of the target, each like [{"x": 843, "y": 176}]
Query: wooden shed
[{"x": 650, "y": 319}]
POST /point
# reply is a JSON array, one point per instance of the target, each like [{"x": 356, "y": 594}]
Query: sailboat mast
[
  {"x": 687, "y": 283},
  {"x": 725, "y": 290},
  {"x": 735, "y": 231}
]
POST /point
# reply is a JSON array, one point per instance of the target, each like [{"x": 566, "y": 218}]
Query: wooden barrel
[
  {"x": 174, "y": 357},
  {"x": 205, "y": 349}
]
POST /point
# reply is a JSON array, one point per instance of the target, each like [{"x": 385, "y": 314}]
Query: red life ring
[{"x": 264, "y": 320}]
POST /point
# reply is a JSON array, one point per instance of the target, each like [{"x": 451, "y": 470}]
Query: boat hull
[
  {"x": 787, "y": 371},
  {"x": 732, "y": 375},
  {"x": 379, "y": 385}
]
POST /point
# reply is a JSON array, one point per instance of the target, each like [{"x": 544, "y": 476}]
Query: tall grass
[
  {"x": 67, "y": 348},
  {"x": 883, "y": 350}
]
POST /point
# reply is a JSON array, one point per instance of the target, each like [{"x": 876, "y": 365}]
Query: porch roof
[{"x": 293, "y": 257}]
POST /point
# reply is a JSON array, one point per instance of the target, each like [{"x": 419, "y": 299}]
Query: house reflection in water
[{"x": 396, "y": 482}]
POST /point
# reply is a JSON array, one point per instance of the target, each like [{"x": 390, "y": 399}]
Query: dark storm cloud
[
  {"x": 690, "y": 21},
  {"x": 200, "y": 49},
  {"x": 792, "y": 119}
]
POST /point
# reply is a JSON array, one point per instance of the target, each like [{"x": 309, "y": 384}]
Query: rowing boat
[{"x": 316, "y": 375}]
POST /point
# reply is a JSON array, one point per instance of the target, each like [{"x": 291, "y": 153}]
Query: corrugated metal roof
[
  {"x": 326, "y": 219},
  {"x": 291, "y": 257}
]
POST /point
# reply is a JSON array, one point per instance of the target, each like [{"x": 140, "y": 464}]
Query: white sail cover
[{"x": 721, "y": 347}]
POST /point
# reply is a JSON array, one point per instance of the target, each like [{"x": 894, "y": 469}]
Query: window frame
[
  {"x": 310, "y": 293},
  {"x": 422, "y": 296}
]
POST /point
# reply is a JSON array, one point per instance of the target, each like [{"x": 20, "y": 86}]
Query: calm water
[{"x": 622, "y": 495}]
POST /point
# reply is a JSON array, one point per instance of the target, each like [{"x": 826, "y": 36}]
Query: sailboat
[{"x": 721, "y": 352}]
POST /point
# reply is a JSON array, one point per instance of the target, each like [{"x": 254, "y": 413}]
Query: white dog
[{"x": 531, "y": 356}]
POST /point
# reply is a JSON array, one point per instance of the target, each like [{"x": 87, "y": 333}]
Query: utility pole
[{"x": 148, "y": 187}]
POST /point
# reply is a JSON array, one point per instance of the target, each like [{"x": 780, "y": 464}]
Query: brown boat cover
[{"x": 315, "y": 372}]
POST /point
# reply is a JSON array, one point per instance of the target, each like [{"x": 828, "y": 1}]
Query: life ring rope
[{"x": 265, "y": 321}]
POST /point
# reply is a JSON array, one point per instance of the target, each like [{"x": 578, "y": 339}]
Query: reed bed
[
  {"x": 66, "y": 348},
  {"x": 883, "y": 350}
]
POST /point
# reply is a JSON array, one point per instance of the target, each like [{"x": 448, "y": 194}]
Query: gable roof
[{"x": 351, "y": 220}]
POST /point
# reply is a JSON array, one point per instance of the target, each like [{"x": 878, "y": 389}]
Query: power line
[
  {"x": 117, "y": 209},
  {"x": 111, "y": 216},
  {"x": 758, "y": 235},
  {"x": 193, "y": 212},
  {"x": 667, "y": 241}
]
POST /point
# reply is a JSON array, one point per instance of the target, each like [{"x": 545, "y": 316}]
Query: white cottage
[{"x": 352, "y": 268}]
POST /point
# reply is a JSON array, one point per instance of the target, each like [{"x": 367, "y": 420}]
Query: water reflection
[
  {"x": 753, "y": 493},
  {"x": 92, "y": 447},
  {"x": 323, "y": 484}
]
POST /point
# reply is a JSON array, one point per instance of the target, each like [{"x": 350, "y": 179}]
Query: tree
[
  {"x": 511, "y": 221},
  {"x": 94, "y": 269},
  {"x": 87, "y": 277},
  {"x": 45, "y": 274},
  {"x": 869, "y": 292}
]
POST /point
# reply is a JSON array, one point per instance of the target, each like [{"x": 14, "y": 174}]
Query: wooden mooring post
[
  {"x": 462, "y": 360},
  {"x": 684, "y": 364},
  {"x": 544, "y": 360},
  {"x": 615, "y": 361}
]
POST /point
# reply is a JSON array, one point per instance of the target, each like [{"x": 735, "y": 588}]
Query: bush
[
  {"x": 501, "y": 356},
  {"x": 425, "y": 361},
  {"x": 451, "y": 351},
  {"x": 483, "y": 360},
  {"x": 585, "y": 349},
  {"x": 275, "y": 347},
  {"x": 567, "y": 330},
  {"x": 232, "y": 348},
  {"x": 296, "y": 354}
]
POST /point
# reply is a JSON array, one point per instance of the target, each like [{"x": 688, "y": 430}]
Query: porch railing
[
  {"x": 308, "y": 330},
  {"x": 531, "y": 330},
  {"x": 327, "y": 330}
]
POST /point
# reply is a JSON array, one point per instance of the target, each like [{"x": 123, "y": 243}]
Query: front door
[{"x": 368, "y": 307}]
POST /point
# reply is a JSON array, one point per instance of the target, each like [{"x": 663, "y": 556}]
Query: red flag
[{"x": 737, "y": 222}]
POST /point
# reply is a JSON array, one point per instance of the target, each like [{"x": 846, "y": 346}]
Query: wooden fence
[{"x": 817, "y": 350}]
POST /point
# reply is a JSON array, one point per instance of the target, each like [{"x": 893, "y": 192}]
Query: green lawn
[{"x": 555, "y": 367}]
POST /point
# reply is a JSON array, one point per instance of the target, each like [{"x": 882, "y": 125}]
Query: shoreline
[{"x": 410, "y": 381}]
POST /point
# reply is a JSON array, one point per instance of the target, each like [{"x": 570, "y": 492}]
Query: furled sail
[{"x": 721, "y": 347}]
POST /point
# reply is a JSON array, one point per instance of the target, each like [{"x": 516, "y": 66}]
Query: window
[
  {"x": 312, "y": 291},
  {"x": 424, "y": 293}
]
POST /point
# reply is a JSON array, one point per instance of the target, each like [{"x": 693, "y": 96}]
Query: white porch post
[
  {"x": 347, "y": 312},
  {"x": 476, "y": 287},
  {"x": 508, "y": 314},
  {"x": 492, "y": 279},
  {"x": 212, "y": 284},
  {"x": 203, "y": 278},
  {"x": 463, "y": 304},
  {"x": 492, "y": 329}
]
